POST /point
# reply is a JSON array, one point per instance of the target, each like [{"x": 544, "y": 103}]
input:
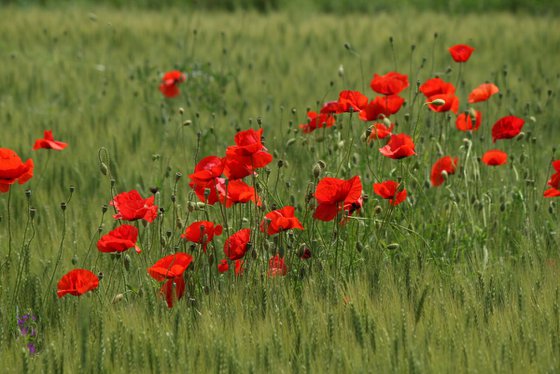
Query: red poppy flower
[
  {"x": 119, "y": 240},
  {"x": 131, "y": 206},
  {"x": 461, "y": 52},
  {"x": 237, "y": 192},
  {"x": 170, "y": 81},
  {"x": 381, "y": 105},
  {"x": 447, "y": 164},
  {"x": 464, "y": 121},
  {"x": 450, "y": 103},
  {"x": 277, "y": 267},
  {"x": 351, "y": 100},
  {"x": 249, "y": 149},
  {"x": 334, "y": 195},
  {"x": 391, "y": 83},
  {"x": 48, "y": 142},
  {"x": 483, "y": 92},
  {"x": 12, "y": 169},
  {"x": 330, "y": 107},
  {"x": 436, "y": 86},
  {"x": 202, "y": 232},
  {"x": 317, "y": 121},
  {"x": 170, "y": 269},
  {"x": 77, "y": 282},
  {"x": 223, "y": 266},
  {"x": 390, "y": 190},
  {"x": 380, "y": 131},
  {"x": 281, "y": 220},
  {"x": 205, "y": 177},
  {"x": 237, "y": 244},
  {"x": 399, "y": 146},
  {"x": 507, "y": 127},
  {"x": 305, "y": 254},
  {"x": 494, "y": 157},
  {"x": 239, "y": 269},
  {"x": 554, "y": 181}
]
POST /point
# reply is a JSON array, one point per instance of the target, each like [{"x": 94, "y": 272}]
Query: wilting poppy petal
[{"x": 48, "y": 142}]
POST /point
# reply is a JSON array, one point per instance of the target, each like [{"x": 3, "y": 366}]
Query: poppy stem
[{"x": 60, "y": 250}]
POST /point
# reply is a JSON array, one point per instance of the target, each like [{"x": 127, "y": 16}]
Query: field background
[{"x": 473, "y": 284}]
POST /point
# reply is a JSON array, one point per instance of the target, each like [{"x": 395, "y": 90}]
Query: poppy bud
[
  {"x": 393, "y": 246},
  {"x": 187, "y": 123},
  {"x": 200, "y": 205},
  {"x": 103, "y": 168},
  {"x": 118, "y": 297},
  {"x": 280, "y": 163},
  {"x": 179, "y": 223},
  {"x": 100, "y": 275},
  {"x": 154, "y": 190},
  {"x": 71, "y": 189},
  {"x": 347, "y": 46},
  {"x": 341, "y": 71},
  {"x": 63, "y": 206},
  {"x": 181, "y": 111},
  {"x": 162, "y": 241},
  {"x": 32, "y": 212},
  {"x": 520, "y": 136},
  {"x": 155, "y": 157},
  {"x": 502, "y": 207},
  {"x": 437, "y": 102},
  {"x": 178, "y": 176},
  {"x": 444, "y": 175},
  {"x": 551, "y": 208},
  {"x": 211, "y": 259},
  {"x": 290, "y": 142},
  {"x": 74, "y": 260},
  {"x": 365, "y": 135},
  {"x": 28, "y": 194},
  {"x": 386, "y": 121},
  {"x": 378, "y": 209},
  {"x": 316, "y": 171},
  {"x": 113, "y": 181},
  {"x": 126, "y": 262},
  {"x": 173, "y": 198},
  {"x": 294, "y": 111}
]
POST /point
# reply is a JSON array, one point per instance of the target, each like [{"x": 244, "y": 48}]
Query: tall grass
[{"x": 463, "y": 276}]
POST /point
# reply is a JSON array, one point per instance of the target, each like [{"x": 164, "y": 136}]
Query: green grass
[{"x": 472, "y": 285}]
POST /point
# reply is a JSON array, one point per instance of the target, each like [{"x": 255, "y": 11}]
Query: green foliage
[{"x": 459, "y": 276}]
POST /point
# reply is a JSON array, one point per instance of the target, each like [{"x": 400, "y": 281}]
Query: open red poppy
[
  {"x": 131, "y": 206},
  {"x": 280, "y": 220},
  {"x": 170, "y": 269},
  {"x": 223, "y": 266},
  {"x": 554, "y": 181},
  {"x": 334, "y": 195},
  {"x": 317, "y": 121},
  {"x": 205, "y": 177},
  {"x": 237, "y": 244},
  {"x": 77, "y": 282},
  {"x": 507, "y": 127},
  {"x": 483, "y": 92},
  {"x": 391, "y": 83},
  {"x": 381, "y": 106},
  {"x": 12, "y": 169},
  {"x": 399, "y": 146},
  {"x": 119, "y": 240},
  {"x": 249, "y": 150},
  {"x": 236, "y": 192},
  {"x": 48, "y": 142},
  {"x": 494, "y": 157},
  {"x": 461, "y": 52},
  {"x": 202, "y": 232},
  {"x": 464, "y": 121},
  {"x": 277, "y": 267},
  {"x": 380, "y": 131},
  {"x": 170, "y": 81},
  {"x": 450, "y": 103},
  {"x": 436, "y": 86},
  {"x": 445, "y": 164},
  {"x": 390, "y": 190}
]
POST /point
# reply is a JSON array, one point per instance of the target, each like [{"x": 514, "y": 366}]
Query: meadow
[{"x": 459, "y": 277}]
